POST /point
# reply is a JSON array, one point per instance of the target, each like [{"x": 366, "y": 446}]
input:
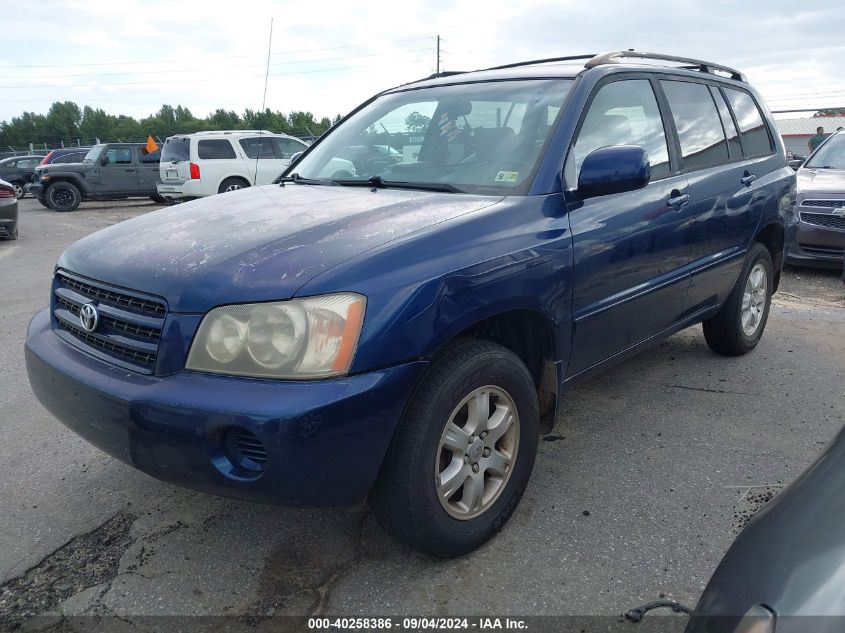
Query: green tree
[{"x": 417, "y": 122}]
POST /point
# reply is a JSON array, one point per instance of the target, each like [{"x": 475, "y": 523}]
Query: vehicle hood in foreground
[
  {"x": 256, "y": 244},
  {"x": 821, "y": 181}
]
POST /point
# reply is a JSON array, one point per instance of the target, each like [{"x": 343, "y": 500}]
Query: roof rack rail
[
  {"x": 690, "y": 64},
  {"x": 568, "y": 58}
]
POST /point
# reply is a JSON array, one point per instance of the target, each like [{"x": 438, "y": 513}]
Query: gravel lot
[{"x": 638, "y": 492}]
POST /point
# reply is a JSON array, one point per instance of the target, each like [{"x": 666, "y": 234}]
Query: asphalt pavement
[{"x": 651, "y": 470}]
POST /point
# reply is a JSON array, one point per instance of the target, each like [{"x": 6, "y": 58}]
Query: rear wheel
[
  {"x": 463, "y": 453},
  {"x": 232, "y": 184},
  {"x": 737, "y": 327},
  {"x": 18, "y": 187},
  {"x": 63, "y": 196}
]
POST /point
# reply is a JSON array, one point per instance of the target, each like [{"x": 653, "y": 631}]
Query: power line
[
  {"x": 218, "y": 68},
  {"x": 183, "y": 59},
  {"x": 179, "y": 81}
]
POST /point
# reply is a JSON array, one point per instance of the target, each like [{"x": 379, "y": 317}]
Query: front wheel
[
  {"x": 232, "y": 184},
  {"x": 463, "y": 453},
  {"x": 63, "y": 196},
  {"x": 737, "y": 327},
  {"x": 18, "y": 187}
]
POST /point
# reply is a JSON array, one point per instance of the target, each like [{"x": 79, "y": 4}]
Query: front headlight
[{"x": 314, "y": 337}]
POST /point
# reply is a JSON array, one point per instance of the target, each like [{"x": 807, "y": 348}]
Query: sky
[{"x": 131, "y": 56}]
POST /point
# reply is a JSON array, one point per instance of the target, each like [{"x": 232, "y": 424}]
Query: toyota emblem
[{"x": 88, "y": 317}]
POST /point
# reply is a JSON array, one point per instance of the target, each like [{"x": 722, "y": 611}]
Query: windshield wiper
[
  {"x": 297, "y": 179},
  {"x": 377, "y": 182}
]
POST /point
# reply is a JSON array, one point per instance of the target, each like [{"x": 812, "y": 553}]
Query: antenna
[
  {"x": 263, "y": 101},
  {"x": 438, "y": 54}
]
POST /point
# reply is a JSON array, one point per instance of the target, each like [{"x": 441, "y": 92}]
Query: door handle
[
  {"x": 678, "y": 200},
  {"x": 747, "y": 179},
  {"x": 131, "y": 171}
]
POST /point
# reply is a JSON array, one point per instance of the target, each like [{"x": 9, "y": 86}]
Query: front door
[
  {"x": 630, "y": 249},
  {"x": 119, "y": 174},
  {"x": 148, "y": 173}
]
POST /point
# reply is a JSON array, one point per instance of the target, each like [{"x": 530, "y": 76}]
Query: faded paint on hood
[
  {"x": 256, "y": 244},
  {"x": 821, "y": 181}
]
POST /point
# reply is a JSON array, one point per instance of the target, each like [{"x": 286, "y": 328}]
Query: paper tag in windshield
[{"x": 507, "y": 176}]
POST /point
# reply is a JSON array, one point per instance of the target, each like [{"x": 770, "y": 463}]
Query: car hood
[
  {"x": 256, "y": 244},
  {"x": 821, "y": 181}
]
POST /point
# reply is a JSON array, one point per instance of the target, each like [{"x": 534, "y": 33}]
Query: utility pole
[{"x": 438, "y": 54}]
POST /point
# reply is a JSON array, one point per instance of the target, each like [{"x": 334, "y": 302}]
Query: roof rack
[
  {"x": 569, "y": 58},
  {"x": 212, "y": 132},
  {"x": 690, "y": 64}
]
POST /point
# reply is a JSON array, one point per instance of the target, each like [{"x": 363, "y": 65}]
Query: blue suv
[{"x": 405, "y": 329}]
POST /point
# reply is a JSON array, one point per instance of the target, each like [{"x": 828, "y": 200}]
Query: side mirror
[
  {"x": 796, "y": 163},
  {"x": 614, "y": 170},
  {"x": 295, "y": 157}
]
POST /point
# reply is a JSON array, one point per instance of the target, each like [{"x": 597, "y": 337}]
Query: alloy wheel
[
  {"x": 754, "y": 299},
  {"x": 477, "y": 452}
]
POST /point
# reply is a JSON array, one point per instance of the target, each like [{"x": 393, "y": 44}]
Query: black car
[
  {"x": 110, "y": 171},
  {"x": 786, "y": 570},
  {"x": 8, "y": 211},
  {"x": 18, "y": 170}
]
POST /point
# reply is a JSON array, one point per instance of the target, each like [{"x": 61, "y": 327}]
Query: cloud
[{"x": 330, "y": 56}]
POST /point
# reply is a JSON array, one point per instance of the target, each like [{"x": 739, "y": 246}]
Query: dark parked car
[
  {"x": 407, "y": 334},
  {"x": 820, "y": 238},
  {"x": 18, "y": 170},
  {"x": 786, "y": 570},
  {"x": 8, "y": 211},
  {"x": 65, "y": 155},
  {"x": 111, "y": 171}
]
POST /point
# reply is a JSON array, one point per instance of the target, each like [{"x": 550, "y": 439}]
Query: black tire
[
  {"x": 405, "y": 497},
  {"x": 232, "y": 184},
  {"x": 42, "y": 201},
  {"x": 160, "y": 199},
  {"x": 63, "y": 196},
  {"x": 724, "y": 332}
]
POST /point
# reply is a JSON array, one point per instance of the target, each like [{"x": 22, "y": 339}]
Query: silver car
[
  {"x": 820, "y": 207},
  {"x": 8, "y": 211}
]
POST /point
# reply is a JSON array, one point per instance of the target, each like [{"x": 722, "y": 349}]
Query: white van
[{"x": 205, "y": 163}]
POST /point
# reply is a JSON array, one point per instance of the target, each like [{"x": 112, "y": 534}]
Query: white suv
[{"x": 205, "y": 163}]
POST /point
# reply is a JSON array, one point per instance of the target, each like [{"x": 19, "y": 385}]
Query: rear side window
[
  {"x": 697, "y": 122},
  {"x": 727, "y": 122},
  {"x": 215, "y": 149},
  {"x": 258, "y": 147},
  {"x": 755, "y": 135},
  {"x": 621, "y": 113},
  {"x": 148, "y": 157}
]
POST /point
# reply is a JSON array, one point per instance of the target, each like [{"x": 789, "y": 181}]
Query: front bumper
[
  {"x": 815, "y": 245},
  {"x": 325, "y": 440},
  {"x": 34, "y": 188}
]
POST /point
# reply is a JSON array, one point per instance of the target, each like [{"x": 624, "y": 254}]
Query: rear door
[
  {"x": 148, "y": 171},
  {"x": 630, "y": 249},
  {"x": 120, "y": 173},
  {"x": 727, "y": 204},
  {"x": 262, "y": 162}
]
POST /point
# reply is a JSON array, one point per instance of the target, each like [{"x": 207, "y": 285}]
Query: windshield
[
  {"x": 479, "y": 137},
  {"x": 93, "y": 154},
  {"x": 831, "y": 155},
  {"x": 178, "y": 149}
]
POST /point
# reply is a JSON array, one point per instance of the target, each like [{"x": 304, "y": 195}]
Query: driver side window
[{"x": 621, "y": 113}]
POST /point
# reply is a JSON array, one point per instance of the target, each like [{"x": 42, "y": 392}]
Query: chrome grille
[
  {"x": 129, "y": 326},
  {"x": 824, "y": 219},
  {"x": 825, "y": 204}
]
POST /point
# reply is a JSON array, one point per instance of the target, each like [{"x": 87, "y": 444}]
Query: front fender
[{"x": 68, "y": 176}]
